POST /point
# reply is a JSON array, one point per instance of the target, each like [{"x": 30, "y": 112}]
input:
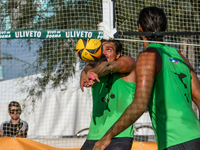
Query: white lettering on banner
[
  {"x": 78, "y": 34},
  {"x": 31, "y": 34},
  {"x": 82, "y": 34},
  {"x": 53, "y": 34},
  {"x": 26, "y": 34},
  {"x": 5, "y": 36},
  {"x": 100, "y": 35},
  {"x": 3, "y": 32},
  {"x": 89, "y": 34}
]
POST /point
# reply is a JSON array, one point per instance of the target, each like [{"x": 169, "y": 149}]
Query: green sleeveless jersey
[
  {"x": 170, "y": 106},
  {"x": 111, "y": 96}
]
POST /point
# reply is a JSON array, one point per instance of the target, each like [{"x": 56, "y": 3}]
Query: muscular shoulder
[
  {"x": 187, "y": 62},
  {"x": 127, "y": 61},
  {"x": 148, "y": 55},
  {"x": 126, "y": 64},
  {"x": 150, "y": 58},
  {"x": 127, "y": 58},
  {"x": 127, "y": 67}
]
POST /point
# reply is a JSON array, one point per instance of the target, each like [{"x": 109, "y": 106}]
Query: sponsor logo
[
  {"x": 78, "y": 34},
  {"x": 53, "y": 34},
  {"x": 28, "y": 34},
  {"x": 173, "y": 60}
]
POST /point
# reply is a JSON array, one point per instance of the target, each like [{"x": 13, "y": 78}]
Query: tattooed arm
[
  {"x": 146, "y": 71},
  {"x": 125, "y": 64}
]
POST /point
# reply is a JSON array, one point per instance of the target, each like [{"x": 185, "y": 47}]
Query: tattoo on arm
[{"x": 103, "y": 69}]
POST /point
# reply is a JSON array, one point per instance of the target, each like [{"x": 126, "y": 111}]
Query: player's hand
[
  {"x": 101, "y": 144},
  {"x": 84, "y": 80},
  {"x": 93, "y": 76}
]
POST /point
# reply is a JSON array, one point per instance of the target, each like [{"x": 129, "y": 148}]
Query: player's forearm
[
  {"x": 87, "y": 68},
  {"x": 104, "y": 68}
]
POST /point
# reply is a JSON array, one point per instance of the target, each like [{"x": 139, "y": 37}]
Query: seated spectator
[{"x": 15, "y": 126}]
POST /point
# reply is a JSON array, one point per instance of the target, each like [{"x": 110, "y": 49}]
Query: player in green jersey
[
  {"x": 113, "y": 88},
  {"x": 167, "y": 85}
]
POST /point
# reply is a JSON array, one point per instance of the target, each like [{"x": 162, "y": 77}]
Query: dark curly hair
[
  {"x": 117, "y": 43},
  {"x": 153, "y": 19}
]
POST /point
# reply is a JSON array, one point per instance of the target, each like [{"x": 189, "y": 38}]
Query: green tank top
[
  {"x": 111, "y": 96},
  {"x": 170, "y": 107}
]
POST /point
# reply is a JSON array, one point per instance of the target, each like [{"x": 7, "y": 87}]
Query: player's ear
[
  {"x": 118, "y": 55},
  {"x": 140, "y": 28}
]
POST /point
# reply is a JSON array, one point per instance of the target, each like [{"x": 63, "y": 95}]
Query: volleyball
[{"x": 89, "y": 50}]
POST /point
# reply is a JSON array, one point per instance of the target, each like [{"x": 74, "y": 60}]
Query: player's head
[
  {"x": 14, "y": 110},
  {"x": 153, "y": 19},
  {"x": 111, "y": 49}
]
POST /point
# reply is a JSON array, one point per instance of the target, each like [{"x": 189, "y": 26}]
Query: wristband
[{"x": 92, "y": 77}]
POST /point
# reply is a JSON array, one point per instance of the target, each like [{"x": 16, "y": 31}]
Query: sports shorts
[
  {"x": 190, "y": 145},
  {"x": 123, "y": 143}
]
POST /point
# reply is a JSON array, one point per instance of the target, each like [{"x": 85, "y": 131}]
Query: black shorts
[
  {"x": 124, "y": 143},
  {"x": 190, "y": 145}
]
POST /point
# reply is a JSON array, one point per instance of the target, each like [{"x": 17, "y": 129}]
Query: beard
[{"x": 15, "y": 118}]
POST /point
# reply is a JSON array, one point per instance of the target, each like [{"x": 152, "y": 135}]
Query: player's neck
[
  {"x": 15, "y": 121},
  {"x": 145, "y": 45}
]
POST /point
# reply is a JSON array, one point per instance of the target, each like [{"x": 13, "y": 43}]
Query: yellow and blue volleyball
[{"x": 89, "y": 50}]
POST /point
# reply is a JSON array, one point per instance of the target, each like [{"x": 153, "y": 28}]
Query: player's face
[
  {"x": 14, "y": 113},
  {"x": 109, "y": 52}
]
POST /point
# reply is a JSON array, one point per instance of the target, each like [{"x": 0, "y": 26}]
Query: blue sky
[{"x": 23, "y": 55}]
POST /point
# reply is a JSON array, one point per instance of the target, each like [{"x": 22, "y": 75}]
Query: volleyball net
[{"x": 40, "y": 68}]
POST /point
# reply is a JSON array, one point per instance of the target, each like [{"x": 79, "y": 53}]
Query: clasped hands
[{"x": 88, "y": 79}]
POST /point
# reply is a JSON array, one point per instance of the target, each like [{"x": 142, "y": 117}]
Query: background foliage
[{"x": 56, "y": 59}]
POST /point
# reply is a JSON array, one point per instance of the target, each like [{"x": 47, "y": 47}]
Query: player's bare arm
[
  {"x": 195, "y": 84},
  {"x": 84, "y": 80},
  {"x": 146, "y": 71},
  {"x": 195, "y": 88},
  {"x": 125, "y": 64}
]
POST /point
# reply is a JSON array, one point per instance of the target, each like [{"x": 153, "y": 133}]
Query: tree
[{"x": 55, "y": 58}]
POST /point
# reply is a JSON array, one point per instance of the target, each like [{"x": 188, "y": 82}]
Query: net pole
[{"x": 108, "y": 23}]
